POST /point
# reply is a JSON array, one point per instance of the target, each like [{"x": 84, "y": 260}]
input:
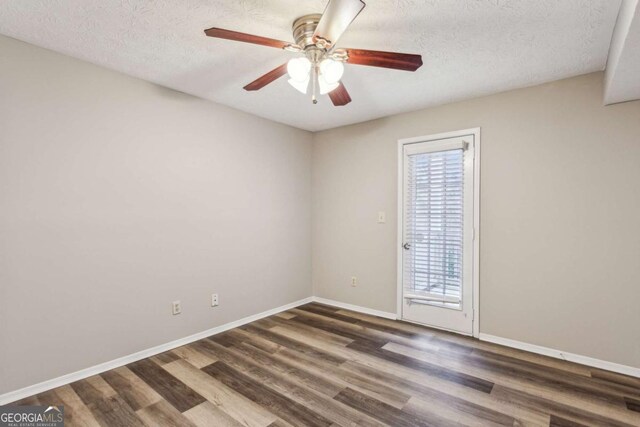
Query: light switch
[{"x": 382, "y": 217}]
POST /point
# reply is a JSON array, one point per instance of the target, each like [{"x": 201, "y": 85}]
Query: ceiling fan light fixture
[
  {"x": 300, "y": 85},
  {"x": 298, "y": 69},
  {"x": 331, "y": 71}
]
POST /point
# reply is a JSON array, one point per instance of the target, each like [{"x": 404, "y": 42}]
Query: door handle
[{"x": 407, "y": 246}]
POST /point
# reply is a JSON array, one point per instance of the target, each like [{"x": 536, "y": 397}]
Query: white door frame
[{"x": 475, "y": 132}]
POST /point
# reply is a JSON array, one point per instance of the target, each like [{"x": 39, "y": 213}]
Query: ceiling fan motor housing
[{"x": 304, "y": 28}]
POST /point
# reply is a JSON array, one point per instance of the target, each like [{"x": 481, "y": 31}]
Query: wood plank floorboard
[
  {"x": 632, "y": 404},
  {"x": 207, "y": 414},
  {"x": 181, "y": 396},
  {"x": 76, "y": 413},
  {"x": 273, "y": 401},
  {"x": 230, "y": 401},
  {"x": 266, "y": 366},
  {"x": 107, "y": 408},
  {"x": 383, "y": 412},
  {"x": 431, "y": 369},
  {"x": 340, "y": 330},
  {"x": 561, "y": 422},
  {"x": 295, "y": 345},
  {"x": 163, "y": 414},
  {"x": 318, "y": 365},
  {"x": 131, "y": 388}
]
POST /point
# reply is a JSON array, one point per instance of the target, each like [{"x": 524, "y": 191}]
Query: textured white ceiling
[{"x": 469, "y": 48}]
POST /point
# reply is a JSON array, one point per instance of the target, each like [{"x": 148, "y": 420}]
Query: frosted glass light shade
[
  {"x": 331, "y": 70},
  {"x": 326, "y": 87},
  {"x": 301, "y": 85},
  {"x": 298, "y": 69}
]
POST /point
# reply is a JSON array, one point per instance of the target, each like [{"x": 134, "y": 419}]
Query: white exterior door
[{"x": 438, "y": 227}]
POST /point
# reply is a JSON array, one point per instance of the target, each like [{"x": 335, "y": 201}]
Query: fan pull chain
[{"x": 314, "y": 82}]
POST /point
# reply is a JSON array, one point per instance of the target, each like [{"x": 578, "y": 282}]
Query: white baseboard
[
  {"x": 356, "y": 308},
  {"x": 12, "y": 396},
  {"x": 563, "y": 355}
]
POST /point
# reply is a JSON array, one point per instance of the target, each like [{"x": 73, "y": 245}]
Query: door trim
[{"x": 475, "y": 132}]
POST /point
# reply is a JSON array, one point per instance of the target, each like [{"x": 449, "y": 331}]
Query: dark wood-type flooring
[{"x": 322, "y": 366}]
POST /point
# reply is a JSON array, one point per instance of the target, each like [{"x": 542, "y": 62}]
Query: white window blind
[{"x": 434, "y": 227}]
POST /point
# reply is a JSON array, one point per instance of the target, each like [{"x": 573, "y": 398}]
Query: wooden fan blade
[
  {"x": 376, "y": 58},
  {"x": 339, "y": 96},
  {"x": 338, "y": 15},
  {"x": 247, "y": 38},
  {"x": 264, "y": 80}
]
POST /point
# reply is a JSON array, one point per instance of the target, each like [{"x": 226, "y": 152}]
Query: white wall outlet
[
  {"x": 382, "y": 217},
  {"x": 354, "y": 281},
  {"x": 214, "y": 300},
  {"x": 176, "y": 307}
]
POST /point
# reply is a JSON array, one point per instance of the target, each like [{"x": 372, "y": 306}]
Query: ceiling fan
[{"x": 321, "y": 67}]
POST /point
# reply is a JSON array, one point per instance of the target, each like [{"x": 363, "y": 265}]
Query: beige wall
[
  {"x": 560, "y": 203},
  {"x": 118, "y": 197}
]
